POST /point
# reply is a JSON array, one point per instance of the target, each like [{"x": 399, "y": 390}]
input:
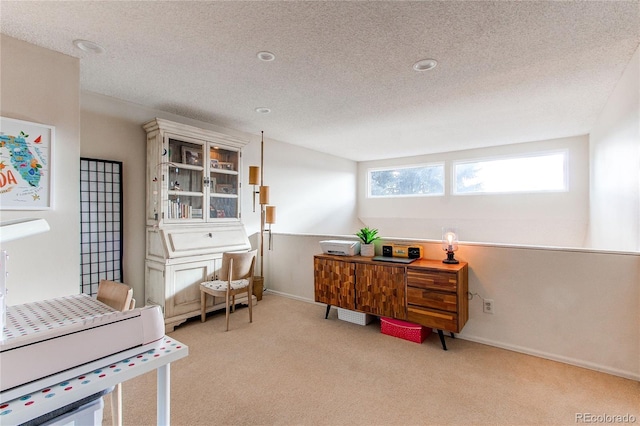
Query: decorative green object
[{"x": 367, "y": 235}]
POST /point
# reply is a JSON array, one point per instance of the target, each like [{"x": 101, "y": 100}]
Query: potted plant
[{"x": 367, "y": 237}]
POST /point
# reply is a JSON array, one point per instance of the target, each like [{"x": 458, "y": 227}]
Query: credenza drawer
[
  {"x": 432, "y": 280},
  {"x": 432, "y": 299},
  {"x": 432, "y": 318}
]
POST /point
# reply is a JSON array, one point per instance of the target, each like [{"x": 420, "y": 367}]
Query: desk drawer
[
  {"x": 434, "y": 280},
  {"x": 432, "y": 299},
  {"x": 442, "y": 320}
]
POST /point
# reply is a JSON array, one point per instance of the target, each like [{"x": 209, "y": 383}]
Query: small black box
[{"x": 415, "y": 253}]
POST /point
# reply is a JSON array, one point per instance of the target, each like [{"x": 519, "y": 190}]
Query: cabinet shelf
[
  {"x": 219, "y": 195},
  {"x": 223, "y": 171},
  {"x": 184, "y": 193},
  {"x": 187, "y": 167}
]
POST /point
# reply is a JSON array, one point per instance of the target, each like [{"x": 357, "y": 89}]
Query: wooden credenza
[{"x": 426, "y": 292}]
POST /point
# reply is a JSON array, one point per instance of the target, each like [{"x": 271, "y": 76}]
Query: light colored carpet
[{"x": 293, "y": 367}]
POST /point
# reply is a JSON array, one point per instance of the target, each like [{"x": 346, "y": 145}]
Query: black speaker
[
  {"x": 415, "y": 253},
  {"x": 387, "y": 251}
]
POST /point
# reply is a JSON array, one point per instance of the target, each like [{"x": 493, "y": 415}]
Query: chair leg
[
  {"x": 250, "y": 305},
  {"x": 203, "y": 306},
  {"x": 227, "y": 311}
]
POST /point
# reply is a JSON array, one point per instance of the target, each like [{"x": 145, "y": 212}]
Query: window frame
[
  {"x": 564, "y": 152},
  {"x": 441, "y": 164}
]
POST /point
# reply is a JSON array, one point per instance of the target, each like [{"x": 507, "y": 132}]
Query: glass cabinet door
[
  {"x": 223, "y": 183},
  {"x": 193, "y": 175},
  {"x": 185, "y": 180}
]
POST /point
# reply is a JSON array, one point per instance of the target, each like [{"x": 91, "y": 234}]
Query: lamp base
[
  {"x": 258, "y": 286},
  {"x": 450, "y": 259}
]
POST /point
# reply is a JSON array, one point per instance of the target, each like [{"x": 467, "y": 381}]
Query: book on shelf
[{"x": 182, "y": 211}]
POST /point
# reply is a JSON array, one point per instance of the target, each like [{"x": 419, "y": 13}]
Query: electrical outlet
[{"x": 487, "y": 306}]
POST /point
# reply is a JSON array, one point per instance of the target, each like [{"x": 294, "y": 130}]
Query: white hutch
[{"x": 193, "y": 214}]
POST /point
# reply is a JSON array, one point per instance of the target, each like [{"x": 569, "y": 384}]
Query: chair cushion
[{"x": 219, "y": 285}]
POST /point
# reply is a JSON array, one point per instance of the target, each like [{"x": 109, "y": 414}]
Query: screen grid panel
[{"x": 100, "y": 223}]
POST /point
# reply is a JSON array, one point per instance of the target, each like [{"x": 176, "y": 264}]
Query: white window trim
[
  {"x": 565, "y": 153},
  {"x": 407, "y": 166}
]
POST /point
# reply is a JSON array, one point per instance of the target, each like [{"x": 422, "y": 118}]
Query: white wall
[
  {"x": 548, "y": 219},
  {"x": 576, "y": 306},
  {"x": 311, "y": 190},
  {"x": 41, "y": 86},
  {"x": 615, "y": 172}
]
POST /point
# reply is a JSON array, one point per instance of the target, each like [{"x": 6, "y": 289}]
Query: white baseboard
[
  {"x": 291, "y": 296},
  {"x": 553, "y": 357}
]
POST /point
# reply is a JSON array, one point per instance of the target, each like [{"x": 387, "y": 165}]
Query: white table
[{"x": 49, "y": 398}]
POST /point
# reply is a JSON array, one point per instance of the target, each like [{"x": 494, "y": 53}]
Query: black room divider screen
[{"x": 100, "y": 223}]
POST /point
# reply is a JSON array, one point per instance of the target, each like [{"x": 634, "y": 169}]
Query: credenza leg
[
  {"x": 441, "y": 335},
  {"x": 326, "y": 315}
]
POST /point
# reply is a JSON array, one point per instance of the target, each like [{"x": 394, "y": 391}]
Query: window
[
  {"x": 407, "y": 181},
  {"x": 531, "y": 173}
]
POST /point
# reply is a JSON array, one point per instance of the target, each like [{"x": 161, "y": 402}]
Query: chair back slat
[
  {"x": 240, "y": 264},
  {"x": 116, "y": 295}
]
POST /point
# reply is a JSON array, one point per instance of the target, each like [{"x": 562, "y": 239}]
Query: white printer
[{"x": 340, "y": 247}]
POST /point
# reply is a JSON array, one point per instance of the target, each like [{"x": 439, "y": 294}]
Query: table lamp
[{"x": 450, "y": 244}]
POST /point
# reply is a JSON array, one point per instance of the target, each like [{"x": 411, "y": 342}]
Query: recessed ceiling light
[
  {"x": 425, "y": 65},
  {"x": 263, "y": 110},
  {"x": 266, "y": 56},
  {"x": 88, "y": 46}
]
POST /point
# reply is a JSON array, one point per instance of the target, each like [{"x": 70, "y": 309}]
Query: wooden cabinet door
[
  {"x": 334, "y": 282},
  {"x": 380, "y": 290},
  {"x": 183, "y": 287}
]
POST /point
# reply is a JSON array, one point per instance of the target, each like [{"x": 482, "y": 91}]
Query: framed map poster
[{"x": 26, "y": 153}]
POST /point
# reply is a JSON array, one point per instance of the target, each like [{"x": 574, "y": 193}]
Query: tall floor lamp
[{"x": 267, "y": 213}]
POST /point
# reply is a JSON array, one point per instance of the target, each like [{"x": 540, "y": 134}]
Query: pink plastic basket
[{"x": 404, "y": 330}]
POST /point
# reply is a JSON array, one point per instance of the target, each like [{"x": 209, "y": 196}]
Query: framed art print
[
  {"x": 26, "y": 161},
  {"x": 192, "y": 157}
]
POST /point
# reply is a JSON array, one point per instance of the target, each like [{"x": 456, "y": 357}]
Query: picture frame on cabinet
[
  {"x": 26, "y": 150},
  {"x": 225, "y": 188},
  {"x": 225, "y": 166},
  {"x": 191, "y": 156},
  {"x": 214, "y": 164}
]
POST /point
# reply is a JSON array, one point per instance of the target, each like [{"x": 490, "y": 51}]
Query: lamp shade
[
  {"x": 254, "y": 175},
  {"x": 264, "y": 195},
  {"x": 271, "y": 214},
  {"x": 449, "y": 239}
]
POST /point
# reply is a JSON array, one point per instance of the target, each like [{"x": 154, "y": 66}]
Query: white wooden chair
[
  {"x": 120, "y": 297},
  {"x": 236, "y": 277}
]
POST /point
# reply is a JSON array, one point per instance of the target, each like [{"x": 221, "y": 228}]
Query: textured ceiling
[{"x": 342, "y": 81}]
